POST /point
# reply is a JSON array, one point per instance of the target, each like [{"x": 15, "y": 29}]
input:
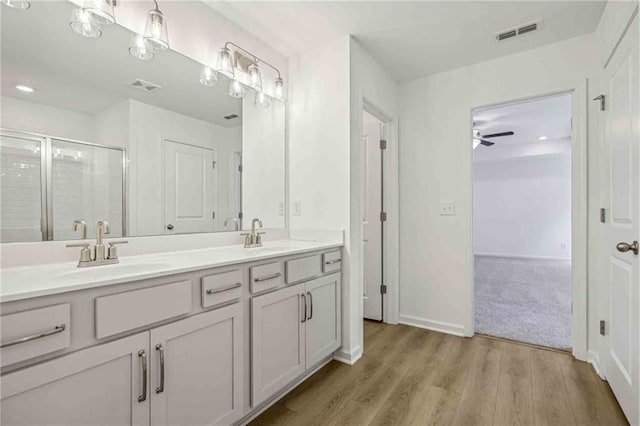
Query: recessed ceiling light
[
  {"x": 541, "y": 138},
  {"x": 24, "y": 88}
]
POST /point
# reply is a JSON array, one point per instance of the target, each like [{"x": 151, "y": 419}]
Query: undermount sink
[{"x": 103, "y": 271}]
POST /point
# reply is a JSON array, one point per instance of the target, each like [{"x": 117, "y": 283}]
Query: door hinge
[
  {"x": 240, "y": 169},
  {"x": 383, "y": 216},
  {"x": 240, "y": 215},
  {"x": 600, "y": 98},
  {"x": 213, "y": 164},
  {"x": 383, "y": 289},
  {"x": 602, "y": 327},
  {"x": 603, "y": 215},
  {"x": 383, "y": 144},
  {"x": 213, "y": 215}
]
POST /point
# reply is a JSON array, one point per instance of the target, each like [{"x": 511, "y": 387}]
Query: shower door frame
[{"x": 46, "y": 175}]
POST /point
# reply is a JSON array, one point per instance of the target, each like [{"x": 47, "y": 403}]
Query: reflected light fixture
[
  {"x": 140, "y": 48},
  {"x": 255, "y": 76},
  {"x": 279, "y": 87},
  {"x": 25, "y": 89},
  {"x": 17, "y": 4},
  {"x": 83, "y": 24},
  {"x": 100, "y": 10},
  {"x": 261, "y": 100},
  {"x": 155, "y": 32},
  {"x": 542, "y": 138},
  {"x": 208, "y": 76},
  {"x": 236, "y": 89},
  {"x": 225, "y": 62}
]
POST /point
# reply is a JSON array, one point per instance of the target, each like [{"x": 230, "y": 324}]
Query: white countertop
[{"x": 35, "y": 281}]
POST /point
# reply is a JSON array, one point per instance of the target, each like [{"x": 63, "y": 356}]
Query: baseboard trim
[
  {"x": 442, "y": 327},
  {"x": 521, "y": 256},
  {"x": 593, "y": 358},
  {"x": 348, "y": 358}
]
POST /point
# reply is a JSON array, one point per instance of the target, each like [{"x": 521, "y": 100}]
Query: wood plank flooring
[{"x": 410, "y": 376}]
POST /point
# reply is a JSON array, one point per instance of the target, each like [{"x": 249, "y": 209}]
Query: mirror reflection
[{"x": 154, "y": 147}]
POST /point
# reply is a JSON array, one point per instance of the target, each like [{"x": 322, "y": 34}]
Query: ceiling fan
[{"x": 481, "y": 139}]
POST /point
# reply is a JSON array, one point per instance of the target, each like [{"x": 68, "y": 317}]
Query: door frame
[
  {"x": 390, "y": 233},
  {"x": 579, "y": 210}
]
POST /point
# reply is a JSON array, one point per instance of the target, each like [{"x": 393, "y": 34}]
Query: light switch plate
[
  {"x": 447, "y": 208},
  {"x": 297, "y": 208}
]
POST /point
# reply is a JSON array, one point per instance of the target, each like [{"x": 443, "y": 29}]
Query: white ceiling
[
  {"x": 413, "y": 39},
  {"x": 88, "y": 75}
]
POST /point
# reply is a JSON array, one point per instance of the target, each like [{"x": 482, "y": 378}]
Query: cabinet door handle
[
  {"x": 304, "y": 302},
  {"x": 221, "y": 289},
  {"x": 57, "y": 329},
  {"x": 268, "y": 277},
  {"x": 310, "y": 305},
  {"x": 143, "y": 356},
  {"x": 332, "y": 262},
  {"x": 160, "y": 350}
]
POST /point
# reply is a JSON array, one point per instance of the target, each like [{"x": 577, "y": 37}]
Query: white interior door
[
  {"x": 372, "y": 228},
  {"x": 621, "y": 196},
  {"x": 190, "y": 185}
]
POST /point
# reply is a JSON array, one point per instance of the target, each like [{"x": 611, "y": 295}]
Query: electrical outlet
[
  {"x": 447, "y": 208},
  {"x": 297, "y": 208},
  {"x": 281, "y": 208}
]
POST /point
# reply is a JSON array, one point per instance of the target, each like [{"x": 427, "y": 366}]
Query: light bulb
[
  {"x": 225, "y": 62},
  {"x": 155, "y": 32},
  {"x": 139, "y": 48},
  {"x": 255, "y": 77},
  {"x": 100, "y": 10},
  {"x": 208, "y": 76},
  {"x": 83, "y": 24},
  {"x": 279, "y": 88},
  {"x": 236, "y": 89}
]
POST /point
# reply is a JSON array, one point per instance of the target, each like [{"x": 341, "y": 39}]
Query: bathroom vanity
[{"x": 207, "y": 336}]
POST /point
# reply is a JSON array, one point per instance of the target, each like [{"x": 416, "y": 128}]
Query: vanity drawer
[
  {"x": 266, "y": 277},
  {"x": 125, "y": 311},
  {"x": 303, "y": 268},
  {"x": 221, "y": 288},
  {"x": 331, "y": 261},
  {"x": 36, "y": 332}
]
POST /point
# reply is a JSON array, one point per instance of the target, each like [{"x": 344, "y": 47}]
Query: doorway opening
[
  {"x": 522, "y": 221},
  {"x": 373, "y": 216}
]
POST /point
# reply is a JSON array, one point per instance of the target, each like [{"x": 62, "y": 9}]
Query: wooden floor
[{"x": 410, "y": 376}]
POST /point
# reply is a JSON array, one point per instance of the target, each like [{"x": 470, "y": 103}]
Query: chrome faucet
[
  {"x": 81, "y": 224},
  {"x": 236, "y": 223},
  {"x": 253, "y": 238},
  {"x": 97, "y": 255}
]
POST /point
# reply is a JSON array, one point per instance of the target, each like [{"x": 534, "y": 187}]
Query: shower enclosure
[{"x": 47, "y": 182}]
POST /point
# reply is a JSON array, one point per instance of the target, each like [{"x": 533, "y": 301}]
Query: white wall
[
  {"x": 435, "y": 165},
  {"x": 522, "y": 207}
]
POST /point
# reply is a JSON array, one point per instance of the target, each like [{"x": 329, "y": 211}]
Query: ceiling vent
[
  {"x": 518, "y": 31},
  {"x": 230, "y": 117},
  {"x": 145, "y": 85}
]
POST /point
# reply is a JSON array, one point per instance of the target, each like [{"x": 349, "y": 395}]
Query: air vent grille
[
  {"x": 145, "y": 85},
  {"x": 230, "y": 117},
  {"x": 518, "y": 30}
]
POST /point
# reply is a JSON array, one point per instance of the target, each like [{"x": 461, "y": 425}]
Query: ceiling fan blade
[
  {"x": 486, "y": 143},
  {"x": 496, "y": 135}
]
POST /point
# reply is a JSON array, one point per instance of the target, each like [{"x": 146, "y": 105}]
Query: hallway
[{"x": 413, "y": 376}]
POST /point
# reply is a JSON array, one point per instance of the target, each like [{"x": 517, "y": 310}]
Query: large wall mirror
[{"x": 89, "y": 132}]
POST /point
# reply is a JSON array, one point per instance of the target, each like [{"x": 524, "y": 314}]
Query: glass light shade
[
  {"x": 261, "y": 100},
  {"x": 17, "y": 4},
  {"x": 140, "y": 48},
  {"x": 83, "y": 24},
  {"x": 236, "y": 89},
  {"x": 255, "y": 76},
  {"x": 208, "y": 76},
  {"x": 155, "y": 33},
  {"x": 279, "y": 88},
  {"x": 225, "y": 62},
  {"x": 100, "y": 10}
]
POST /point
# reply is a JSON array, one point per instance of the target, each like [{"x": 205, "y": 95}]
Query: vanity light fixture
[
  {"x": 236, "y": 89},
  {"x": 155, "y": 32},
  {"x": 25, "y": 89},
  {"x": 140, "y": 48},
  {"x": 279, "y": 87},
  {"x": 100, "y": 10},
  {"x": 261, "y": 100},
  {"x": 225, "y": 62},
  {"x": 255, "y": 76},
  {"x": 82, "y": 23},
  {"x": 208, "y": 76},
  {"x": 17, "y": 4}
]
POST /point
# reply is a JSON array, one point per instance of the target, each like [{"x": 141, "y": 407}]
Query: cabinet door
[
  {"x": 277, "y": 341},
  {"x": 99, "y": 385},
  {"x": 323, "y": 318},
  {"x": 200, "y": 360}
]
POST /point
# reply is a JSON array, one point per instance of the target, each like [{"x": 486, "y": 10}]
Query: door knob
[
  {"x": 170, "y": 227},
  {"x": 625, "y": 247}
]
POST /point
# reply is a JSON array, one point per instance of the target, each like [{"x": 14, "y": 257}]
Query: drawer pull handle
[
  {"x": 332, "y": 262},
  {"x": 57, "y": 329},
  {"x": 160, "y": 350},
  {"x": 268, "y": 277},
  {"x": 221, "y": 289},
  {"x": 143, "y": 356}
]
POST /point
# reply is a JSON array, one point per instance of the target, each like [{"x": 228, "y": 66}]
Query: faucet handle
[
  {"x": 83, "y": 245},
  {"x": 113, "y": 243},
  {"x": 85, "y": 253},
  {"x": 112, "y": 252}
]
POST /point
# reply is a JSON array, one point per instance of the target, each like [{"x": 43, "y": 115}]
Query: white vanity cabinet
[
  {"x": 292, "y": 330},
  {"x": 104, "y": 384}
]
